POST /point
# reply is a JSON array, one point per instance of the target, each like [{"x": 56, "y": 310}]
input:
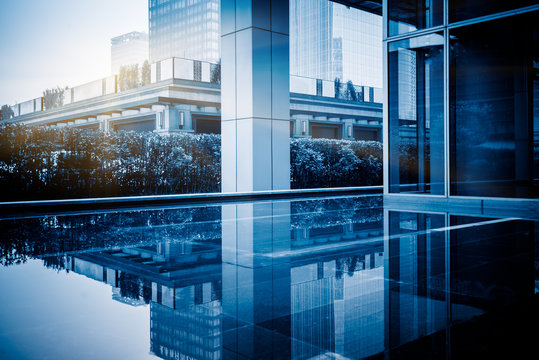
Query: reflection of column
[
  {"x": 256, "y": 285},
  {"x": 416, "y": 302},
  {"x": 255, "y": 95}
]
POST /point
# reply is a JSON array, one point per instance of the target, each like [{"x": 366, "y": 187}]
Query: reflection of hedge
[
  {"x": 52, "y": 237},
  {"x": 40, "y": 163},
  {"x": 333, "y": 163}
]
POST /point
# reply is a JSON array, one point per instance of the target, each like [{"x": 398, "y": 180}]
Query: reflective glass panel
[
  {"x": 417, "y": 276},
  {"x": 410, "y": 15},
  {"x": 491, "y": 112},
  {"x": 466, "y": 9},
  {"x": 416, "y": 115},
  {"x": 324, "y": 278}
]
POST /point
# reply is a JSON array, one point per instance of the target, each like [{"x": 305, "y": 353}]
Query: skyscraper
[
  {"x": 184, "y": 28},
  {"x": 329, "y": 40},
  {"x": 127, "y": 49}
]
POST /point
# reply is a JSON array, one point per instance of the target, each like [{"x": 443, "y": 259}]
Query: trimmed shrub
[
  {"x": 41, "y": 163},
  {"x": 321, "y": 163}
]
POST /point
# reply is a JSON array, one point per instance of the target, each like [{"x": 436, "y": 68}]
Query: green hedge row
[
  {"x": 320, "y": 163},
  {"x": 40, "y": 163}
]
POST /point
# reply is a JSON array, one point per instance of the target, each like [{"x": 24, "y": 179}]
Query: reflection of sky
[
  {"x": 60, "y": 42},
  {"x": 45, "y": 306}
]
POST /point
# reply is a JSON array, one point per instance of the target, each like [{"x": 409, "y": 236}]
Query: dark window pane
[
  {"x": 466, "y": 9},
  {"x": 325, "y": 132},
  {"x": 416, "y": 115},
  {"x": 492, "y": 78},
  {"x": 410, "y": 15}
]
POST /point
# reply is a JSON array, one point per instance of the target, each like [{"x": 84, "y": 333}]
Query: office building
[
  {"x": 184, "y": 28},
  {"x": 466, "y": 88},
  {"x": 128, "y": 49},
  {"x": 327, "y": 40},
  {"x": 330, "y": 40}
]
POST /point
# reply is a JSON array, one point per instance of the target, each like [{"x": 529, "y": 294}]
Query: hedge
[
  {"x": 43, "y": 163},
  {"x": 321, "y": 163}
]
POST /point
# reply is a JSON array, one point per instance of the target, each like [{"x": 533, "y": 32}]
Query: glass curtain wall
[
  {"x": 462, "y": 98},
  {"x": 492, "y": 76},
  {"x": 416, "y": 114},
  {"x": 410, "y": 15}
]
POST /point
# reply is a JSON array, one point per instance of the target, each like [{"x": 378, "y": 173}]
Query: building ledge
[
  {"x": 462, "y": 205},
  {"x": 17, "y": 209}
]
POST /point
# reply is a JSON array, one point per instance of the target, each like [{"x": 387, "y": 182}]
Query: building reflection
[{"x": 277, "y": 286}]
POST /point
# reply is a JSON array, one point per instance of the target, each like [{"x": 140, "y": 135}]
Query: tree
[
  {"x": 6, "y": 113},
  {"x": 146, "y": 73},
  {"x": 128, "y": 77},
  {"x": 216, "y": 73},
  {"x": 351, "y": 91},
  {"x": 54, "y": 98},
  {"x": 338, "y": 87}
]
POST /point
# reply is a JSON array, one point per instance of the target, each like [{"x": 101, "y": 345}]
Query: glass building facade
[
  {"x": 329, "y": 40},
  {"x": 462, "y": 93},
  {"x": 184, "y": 28}
]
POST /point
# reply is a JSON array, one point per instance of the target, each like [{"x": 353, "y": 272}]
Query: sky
[{"x": 49, "y": 43}]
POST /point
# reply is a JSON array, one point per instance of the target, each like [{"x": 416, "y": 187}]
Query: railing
[
  {"x": 335, "y": 89},
  {"x": 200, "y": 71},
  {"x": 186, "y": 69},
  {"x": 27, "y": 107}
]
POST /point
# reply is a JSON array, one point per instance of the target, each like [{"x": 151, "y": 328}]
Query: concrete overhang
[{"x": 167, "y": 93}]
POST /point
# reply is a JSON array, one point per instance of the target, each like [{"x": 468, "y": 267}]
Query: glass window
[
  {"x": 410, "y": 15},
  {"x": 466, "y": 9},
  {"x": 416, "y": 115},
  {"x": 492, "y": 108}
]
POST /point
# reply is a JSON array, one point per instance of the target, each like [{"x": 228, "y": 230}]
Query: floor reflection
[{"x": 319, "y": 279}]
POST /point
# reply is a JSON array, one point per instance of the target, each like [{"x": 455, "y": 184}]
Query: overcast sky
[{"x": 60, "y": 42}]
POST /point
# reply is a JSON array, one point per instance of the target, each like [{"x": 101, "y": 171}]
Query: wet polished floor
[{"x": 331, "y": 278}]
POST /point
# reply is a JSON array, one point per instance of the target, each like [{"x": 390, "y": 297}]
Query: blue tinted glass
[
  {"x": 493, "y": 71},
  {"x": 410, "y": 15},
  {"x": 416, "y": 115},
  {"x": 466, "y": 9}
]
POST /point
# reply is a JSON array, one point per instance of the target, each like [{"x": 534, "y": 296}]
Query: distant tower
[{"x": 127, "y": 49}]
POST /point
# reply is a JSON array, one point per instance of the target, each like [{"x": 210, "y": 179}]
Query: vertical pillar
[
  {"x": 301, "y": 126},
  {"x": 255, "y": 95},
  {"x": 348, "y": 133},
  {"x": 104, "y": 122}
]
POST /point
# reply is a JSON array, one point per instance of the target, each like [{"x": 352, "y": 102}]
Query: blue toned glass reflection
[
  {"x": 465, "y": 9},
  {"x": 410, "y": 15},
  {"x": 492, "y": 106},
  {"x": 331, "y": 277},
  {"x": 416, "y": 115}
]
